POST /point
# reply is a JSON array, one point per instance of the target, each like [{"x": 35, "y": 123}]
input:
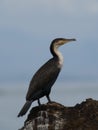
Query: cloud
[
  {"x": 14, "y": 7},
  {"x": 48, "y": 16},
  {"x": 24, "y": 8},
  {"x": 33, "y": 16},
  {"x": 92, "y": 6}
]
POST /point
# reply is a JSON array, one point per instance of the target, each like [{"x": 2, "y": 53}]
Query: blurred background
[{"x": 26, "y": 31}]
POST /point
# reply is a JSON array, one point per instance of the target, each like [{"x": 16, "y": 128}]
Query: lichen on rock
[{"x": 55, "y": 116}]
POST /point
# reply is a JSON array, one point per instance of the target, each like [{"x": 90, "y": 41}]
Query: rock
[{"x": 55, "y": 116}]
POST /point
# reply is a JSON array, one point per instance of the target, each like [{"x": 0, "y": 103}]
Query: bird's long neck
[{"x": 57, "y": 54}]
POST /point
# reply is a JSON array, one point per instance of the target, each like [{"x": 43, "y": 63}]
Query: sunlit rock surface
[{"x": 54, "y": 116}]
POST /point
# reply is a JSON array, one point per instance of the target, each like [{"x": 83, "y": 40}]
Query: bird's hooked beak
[
  {"x": 61, "y": 41},
  {"x": 68, "y": 40}
]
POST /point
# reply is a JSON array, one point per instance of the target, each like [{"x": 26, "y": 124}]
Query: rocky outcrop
[{"x": 54, "y": 116}]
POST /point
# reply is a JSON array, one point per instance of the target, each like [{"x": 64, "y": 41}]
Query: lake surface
[{"x": 12, "y": 97}]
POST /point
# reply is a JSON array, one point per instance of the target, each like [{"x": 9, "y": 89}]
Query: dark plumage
[{"x": 45, "y": 77}]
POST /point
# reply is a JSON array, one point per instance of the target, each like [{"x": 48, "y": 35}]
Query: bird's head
[
  {"x": 57, "y": 43},
  {"x": 61, "y": 41}
]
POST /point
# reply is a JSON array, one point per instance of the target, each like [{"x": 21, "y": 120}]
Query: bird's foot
[
  {"x": 39, "y": 102},
  {"x": 49, "y": 100}
]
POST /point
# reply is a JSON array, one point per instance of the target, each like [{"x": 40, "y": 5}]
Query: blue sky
[{"x": 28, "y": 27}]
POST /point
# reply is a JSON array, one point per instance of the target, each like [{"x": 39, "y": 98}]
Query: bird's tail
[{"x": 25, "y": 108}]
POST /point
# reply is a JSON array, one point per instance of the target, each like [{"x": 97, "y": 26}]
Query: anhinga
[{"x": 45, "y": 77}]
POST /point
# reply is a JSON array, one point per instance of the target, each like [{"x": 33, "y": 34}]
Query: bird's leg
[
  {"x": 39, "y": 102},
  {"x": 49, "y": 100}
]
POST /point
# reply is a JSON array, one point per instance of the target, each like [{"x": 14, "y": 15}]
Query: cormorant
[{"x": 45, "y": 77}]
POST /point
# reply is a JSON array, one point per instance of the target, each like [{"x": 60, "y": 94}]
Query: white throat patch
[
  {"x": 60, "y": 64},
  {"x": 60, "y": 59}
]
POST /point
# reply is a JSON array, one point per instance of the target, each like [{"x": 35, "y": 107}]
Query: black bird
[{"x": 45, "y": 77}]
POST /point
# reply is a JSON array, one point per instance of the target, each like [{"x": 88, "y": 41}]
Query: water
[{"x": 12, "y": 97}]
